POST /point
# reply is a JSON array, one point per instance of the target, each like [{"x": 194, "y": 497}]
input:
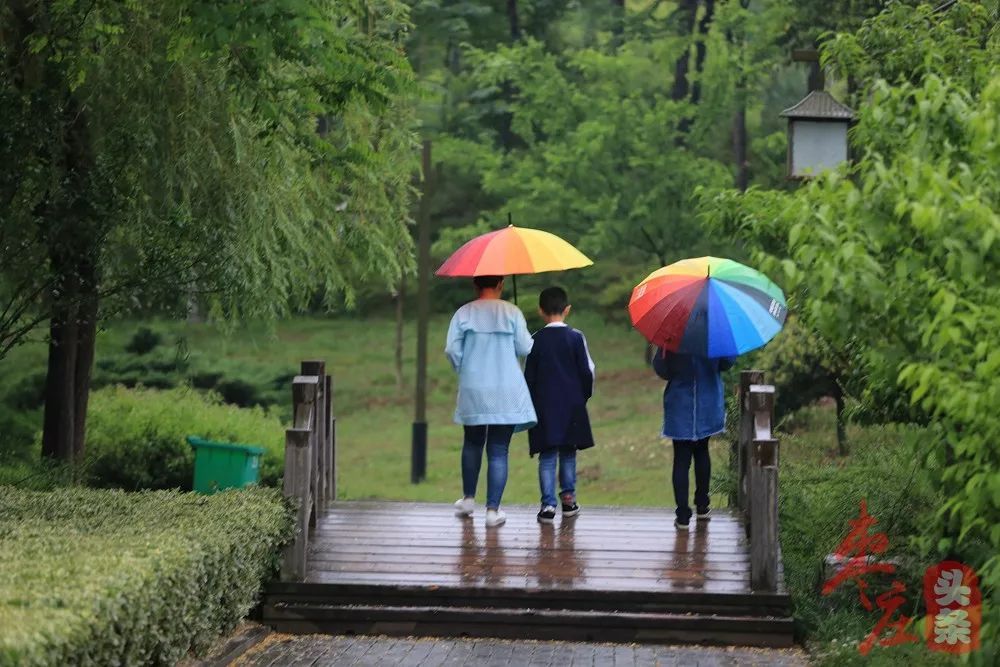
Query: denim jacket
[{"x": 693, "y": 403}]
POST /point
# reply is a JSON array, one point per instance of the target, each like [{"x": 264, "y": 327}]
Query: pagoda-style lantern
[{"x": 817, "y": 134}]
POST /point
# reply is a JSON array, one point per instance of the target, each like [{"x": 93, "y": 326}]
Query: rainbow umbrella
[
  {"x": 511, "y": 251},
  {"x": 708, "y": 306}
]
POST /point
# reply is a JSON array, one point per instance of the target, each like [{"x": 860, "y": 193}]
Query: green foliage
[
  {"x": 188, "y": 164},
  {"x": 801, "y": 365},
  {"x": 109, "y": 578},
  {"x": 818, "y": 498},
  {"x": 896, "y": 261},
  {"x": 795, "y": 363},
  {"x": 136, "y": 437},
  {"x": 894, "y": 48},
  {"x": 594, "y": 166},
  {"x": 583, "y": 128}
]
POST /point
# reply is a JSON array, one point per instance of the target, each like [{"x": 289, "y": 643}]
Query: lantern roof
[{"x": 819, "y": 105}]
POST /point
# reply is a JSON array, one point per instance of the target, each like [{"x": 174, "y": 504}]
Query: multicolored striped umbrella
[
  {"x": 708, "y": 306},
  {"x": 511, "y": 251}
]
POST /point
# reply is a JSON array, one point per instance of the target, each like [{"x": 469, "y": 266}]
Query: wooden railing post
[
  {"x": 310, "y": 460},
  {"x": 331, "y": 441},
  {"x": 299, "y": 473},
  {"x": 298, "y": 461},
  {"x": 744, "y": 438},
  {"x": 321, "y": 454},
  {"x": 762, "y": 489}
]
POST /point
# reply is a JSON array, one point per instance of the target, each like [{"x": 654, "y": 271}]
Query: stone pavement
[{"x": 319, "y": 650}]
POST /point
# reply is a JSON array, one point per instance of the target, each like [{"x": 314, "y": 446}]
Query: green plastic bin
[{"x": 224, "y": 465}]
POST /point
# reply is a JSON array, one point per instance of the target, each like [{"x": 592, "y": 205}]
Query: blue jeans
[
  {"x": 496, "y": 439},
  {"x": 684, "y": 451},
  {"x": 547, "y": 474}
]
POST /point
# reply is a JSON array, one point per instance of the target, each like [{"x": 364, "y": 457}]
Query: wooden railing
[
  {"x": 310, "y": 460},
  {"x": 756, "y": 470}
]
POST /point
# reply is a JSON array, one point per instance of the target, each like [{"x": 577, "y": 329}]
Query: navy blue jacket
[
  {"x": 560, "y": 376},
  {"x": 693, "y": 403}
]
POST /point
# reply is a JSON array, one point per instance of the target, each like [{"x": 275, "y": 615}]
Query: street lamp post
[{"x": 817, "y": 134}]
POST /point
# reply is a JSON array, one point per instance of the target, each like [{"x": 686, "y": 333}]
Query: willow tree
[{"x": 158, "y": 151}]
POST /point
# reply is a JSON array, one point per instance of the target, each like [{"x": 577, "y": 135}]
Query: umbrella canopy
[
  {"x": 708, "y": 306},
  {"x": 511, "y": 251}
]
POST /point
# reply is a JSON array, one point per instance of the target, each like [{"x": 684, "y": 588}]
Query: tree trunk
[
  {"x": 194, "y": 315},
  {"x": 59, "y": 421},
  {"x": 72, "y": 256},
  {"x": 453, "y": 58},
  {"x": 86, "y": 346},
  {"x": 400, "y": 299},
  {"x": 739, "y": 130},
  {"x": 817, "y": 77},
  {"x": 617, "y": 24},
  {"x": 687, "y": 12},
  {"x": 423, "y": 281},
  {"x": 701, "y": 49},
  {"x": 515, "y": 27},
  {"x": 838, "y": 396},
  {"x": 742, "y": 179}
]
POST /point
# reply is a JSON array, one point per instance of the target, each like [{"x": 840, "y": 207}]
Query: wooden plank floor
[{"x": 602, "y": 549}]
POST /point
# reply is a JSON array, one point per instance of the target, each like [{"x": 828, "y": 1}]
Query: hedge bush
[
  {"x": 136, "y": 437},
  {"x": 94, "y": 577}
]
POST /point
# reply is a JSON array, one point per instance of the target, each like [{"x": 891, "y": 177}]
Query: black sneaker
[
  {"x": 570, "y": 509},
  {"x": 704, "y": 513},
  {"x": 547, "y": 514},
  {"x": 679, "y": 525}
]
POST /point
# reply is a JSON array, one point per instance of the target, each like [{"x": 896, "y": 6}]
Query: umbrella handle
[{"x": 513, "y": 276}]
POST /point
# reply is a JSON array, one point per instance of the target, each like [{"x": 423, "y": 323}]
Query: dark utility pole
[
  {"x": 817, "y": 79},
  {"x": 418, "y": 449}
]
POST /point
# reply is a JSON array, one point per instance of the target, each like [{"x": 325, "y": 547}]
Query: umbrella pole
[{"x": 514, "y": 279}]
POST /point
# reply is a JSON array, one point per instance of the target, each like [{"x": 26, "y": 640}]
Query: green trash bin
[{"x": 224, "y": 465}]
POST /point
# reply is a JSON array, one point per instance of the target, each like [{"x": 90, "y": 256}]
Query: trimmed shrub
[
  {"x": 111, "y": 578},
  {"x": 144, "y": 340},
  {"x": 136, "y": 437},
  {"x": 160, "y": 367}
]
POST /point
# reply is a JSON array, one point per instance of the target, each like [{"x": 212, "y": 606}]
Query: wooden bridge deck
[
  {"x": 615, "y": 574},
  {"x": 600, "y": 549}
]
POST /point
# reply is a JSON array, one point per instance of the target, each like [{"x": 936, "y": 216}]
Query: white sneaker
[
  {"x": 465, "y": 507},
  {"x": 495, "y": 518}
]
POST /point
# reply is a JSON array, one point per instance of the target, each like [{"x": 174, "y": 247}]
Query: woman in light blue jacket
[{"x": 485, "y": 339}]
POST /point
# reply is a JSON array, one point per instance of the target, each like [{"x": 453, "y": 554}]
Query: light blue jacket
[{"x": 485, "y": 339}]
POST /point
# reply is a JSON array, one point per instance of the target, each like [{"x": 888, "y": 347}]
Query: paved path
[{"x": 319, "y": 650}]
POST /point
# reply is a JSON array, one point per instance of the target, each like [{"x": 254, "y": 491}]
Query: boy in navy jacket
[{"x": 560, "y": 376}]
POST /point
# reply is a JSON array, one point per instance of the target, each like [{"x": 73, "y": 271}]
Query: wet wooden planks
[
  {"x": 610, "y": 575},
  {"x": 602, "y": 549}
]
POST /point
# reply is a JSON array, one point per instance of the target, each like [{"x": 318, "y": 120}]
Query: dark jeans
[
  {"x": 547, "y": 474},
  {"x": 496, "y": 439},
  {"x": 684, "y": 451}
]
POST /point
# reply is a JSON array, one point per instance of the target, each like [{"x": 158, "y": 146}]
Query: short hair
[
  {"x": 487, "y": 282},
  {"x": 553, "y": 300}
]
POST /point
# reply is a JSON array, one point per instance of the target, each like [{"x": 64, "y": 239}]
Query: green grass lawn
[{"x": 629, "y": 465}]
